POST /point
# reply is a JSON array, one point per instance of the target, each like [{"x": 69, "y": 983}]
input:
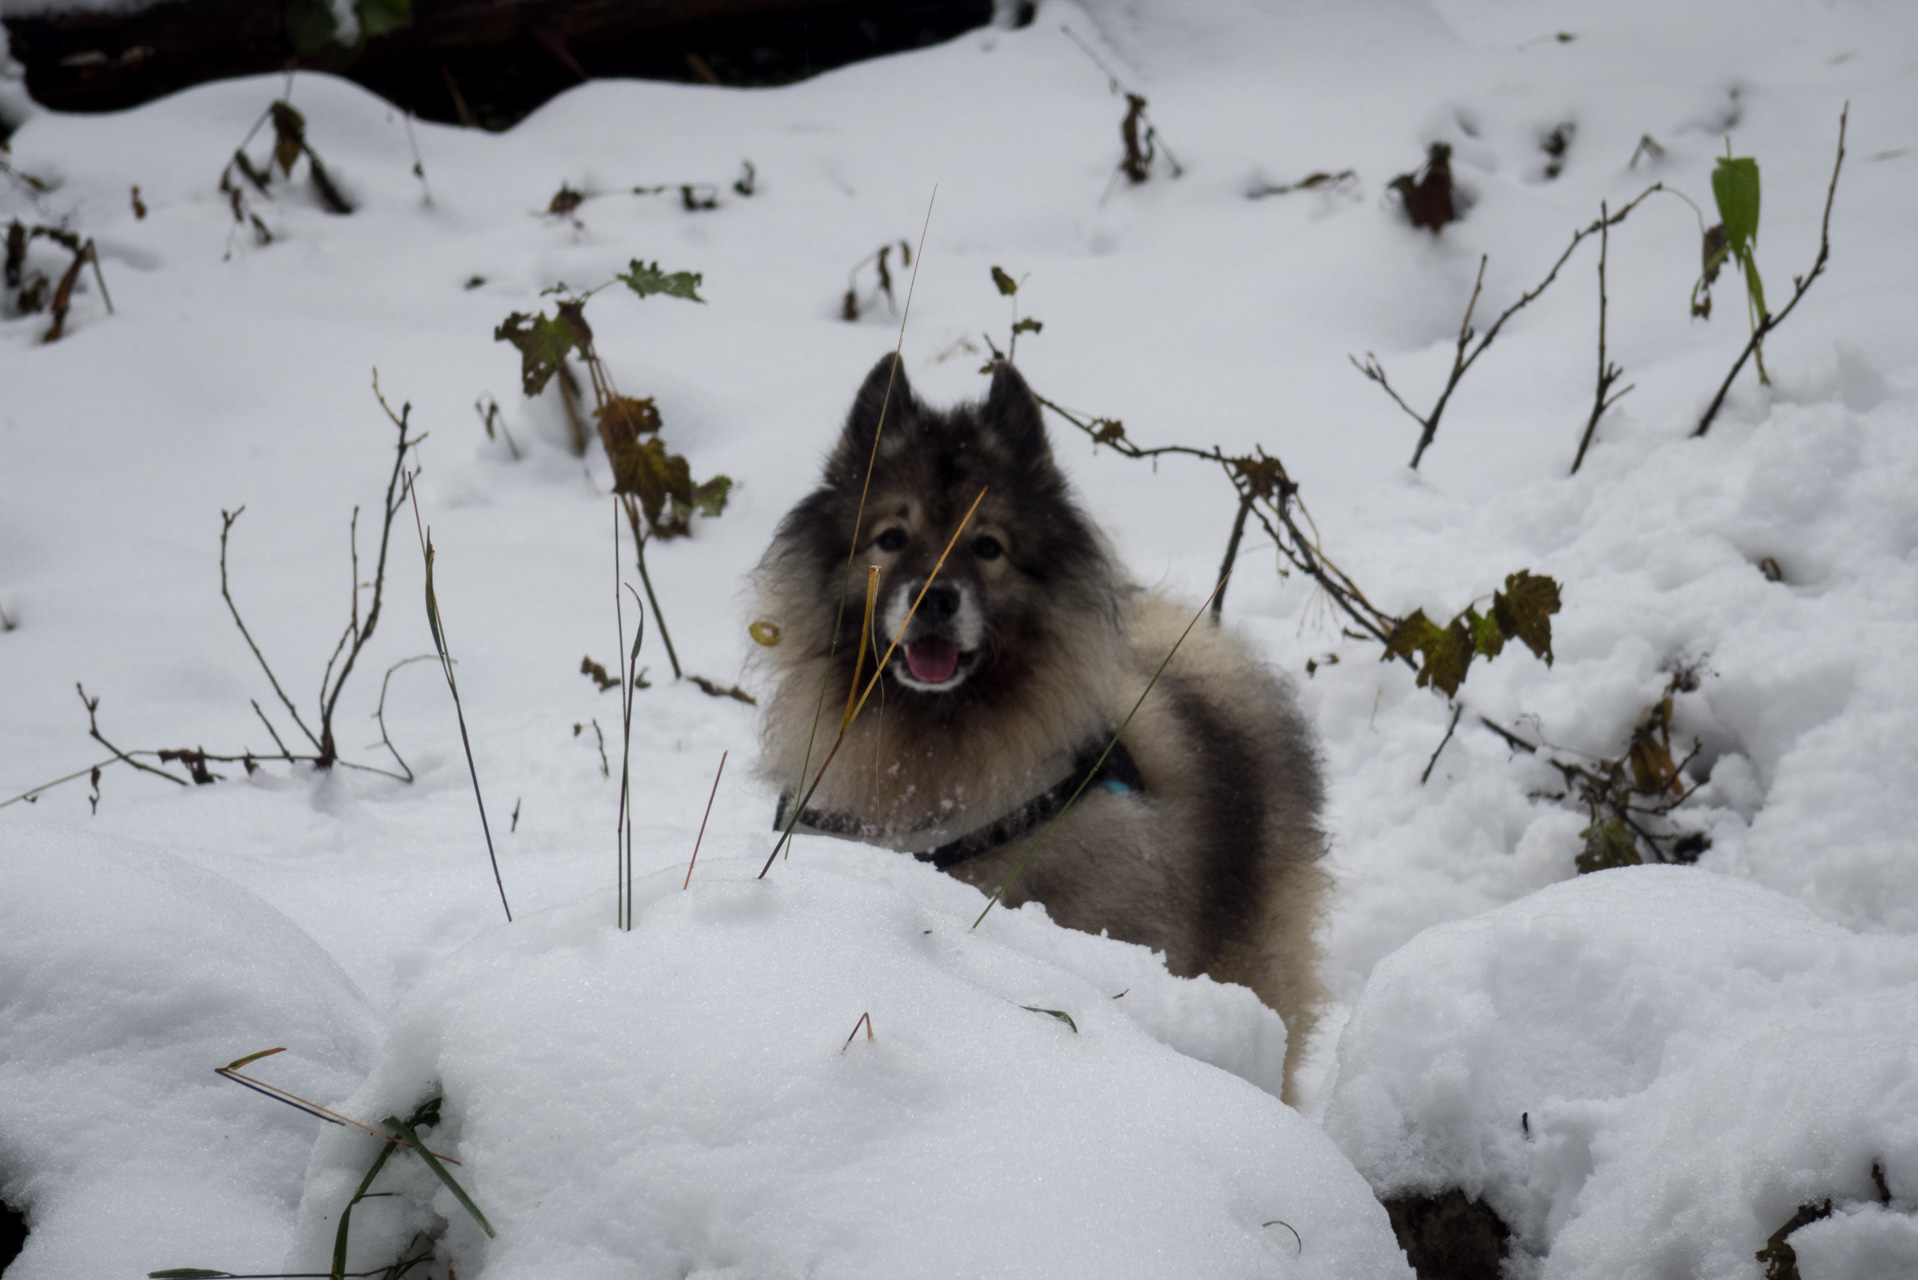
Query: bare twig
[
  {"x": 1800, "y": 285},
  {"x": 379, "y": 711},
  {"x": 398, "y": 484},
  {"x": 1471, "y": 344},
  {"x": 1603, "y": 398},
  {"x": 227, "y": 519},
  {"x": 1246, "y": 497},
  {"x": 93, "y": 731},
  {"x": 702, "y": 822},
  {"x": 1425, "y": 777},
  {"x": 33, "y": 793}
]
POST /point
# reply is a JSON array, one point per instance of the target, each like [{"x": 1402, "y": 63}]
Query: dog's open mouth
[
  {"x": 935, "y": 662},
  {"x": 932, "y": 659}
]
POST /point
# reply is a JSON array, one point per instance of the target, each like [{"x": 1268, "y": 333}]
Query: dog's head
[{"x": 1028, "y": 566}]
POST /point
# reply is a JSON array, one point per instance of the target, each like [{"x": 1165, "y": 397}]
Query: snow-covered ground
[{"x": 1695, "y": 1054}]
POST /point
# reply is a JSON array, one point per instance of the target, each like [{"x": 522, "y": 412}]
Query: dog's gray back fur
[{"x": 1215, "y": 862}]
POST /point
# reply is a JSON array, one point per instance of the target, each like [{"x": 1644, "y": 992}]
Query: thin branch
[
  {"x": 1801, "y": 284},
  {"x": 1471, "y": 344},
  {"x": 1457, "y": 711},
  {"x": 1512, "y": 740},
  {"x": 702, "y": 822},
  {"x": 1603, "y": 398},
  {"x": 1246, "y": 498},
  {"x": 93, "y": 731},
  {"x": 33, "y": 793},
  {"x": 398, "y": 484},
  {"x": 226, "y": 526},
  {"x": 379, "y": 711}
]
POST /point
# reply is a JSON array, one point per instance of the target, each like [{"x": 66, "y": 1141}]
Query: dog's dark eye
[
  {"x": 987, "y": 547},
  {"x": 891, "y": 540}
]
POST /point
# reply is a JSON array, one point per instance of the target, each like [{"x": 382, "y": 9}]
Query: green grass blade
[
  {"x": 404, "y": 1131},
  {"x": 346, "y": 1214}
]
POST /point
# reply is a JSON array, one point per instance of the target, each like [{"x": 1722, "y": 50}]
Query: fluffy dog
[{"x": 1199, "y": 836}]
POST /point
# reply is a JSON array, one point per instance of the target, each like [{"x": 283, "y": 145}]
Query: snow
[
  {"x": 698, "y": 1097},
  {"x": 1659, "y": 1027},
  {"x": 1644, "y": 1071}
]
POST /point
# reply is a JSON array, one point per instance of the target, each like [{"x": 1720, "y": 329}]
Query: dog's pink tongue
[{"x": 932, "y": 659}]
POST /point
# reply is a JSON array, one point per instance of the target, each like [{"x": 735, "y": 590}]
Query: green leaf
[
  {"x": 1735, "y": 188},
  {"x": 1608, "y": 844},
  {"x": 543, "y": 342},
  {"x": 1060, "y": 1014},
  {"x": 709, "y": 499},
  {"x": 1412, "y": 634},
  {"x": 311, "y": 27},
  {"x": 1487, "y": 638},
  {"x": 1447, "y": 650},
  {"x": 404, "y": 1131},
  {"x": 377, "y": 17},
  {"x": 427, "y": 1114},
  {"x": 1524, "y": 610},
  {"x": 433, "y": 605},
  {"x": 646, "y": 279},
  {"x": 189, "y": 1273},
  {"x": 1446, "y": 660},
  {"x": 1007, "y": 285},
  {"x": 1028, "y": 325}
]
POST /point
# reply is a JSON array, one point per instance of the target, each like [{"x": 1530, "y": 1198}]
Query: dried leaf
[
  {"x": 1007, "y": 285},
  {"x": 564, "y": 201},
  {"x": 543, "y": 342},
  {"x": 16, "y": 252},
  {"x": 289, "y": 135},
  {"x": 1524, "y": 610},
  {"x": 1654, "y": 772},
  {"x": 587, "y": 667},
  {"x": 624, "y": 419},
  {"x": 1027, "y": 325},
  {"x": 1107, "y": 430},
  {"x": 1263, "y": 475},
  {"x": 646, "y": 279},
  {"x": 1713, "y": 253},
  {"x": 662, "y": 482},
  {"x": 1428, "y": 194}
]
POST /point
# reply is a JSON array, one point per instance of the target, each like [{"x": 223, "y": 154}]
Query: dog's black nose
[{"x": 941, "y": 602}]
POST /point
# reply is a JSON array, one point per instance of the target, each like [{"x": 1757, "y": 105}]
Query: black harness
[{"x": 1116, "y": 773}]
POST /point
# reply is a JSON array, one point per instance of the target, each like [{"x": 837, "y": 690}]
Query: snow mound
[
  {"x": 1646, "y": 1072},
  {"x": 684, "y": 1099},
  {"x": 126, "y": 976}
]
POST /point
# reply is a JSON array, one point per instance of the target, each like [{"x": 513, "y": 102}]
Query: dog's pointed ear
[
  {"x": 886, "y": 397},
  {"x": 1012, "y": 414}
]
